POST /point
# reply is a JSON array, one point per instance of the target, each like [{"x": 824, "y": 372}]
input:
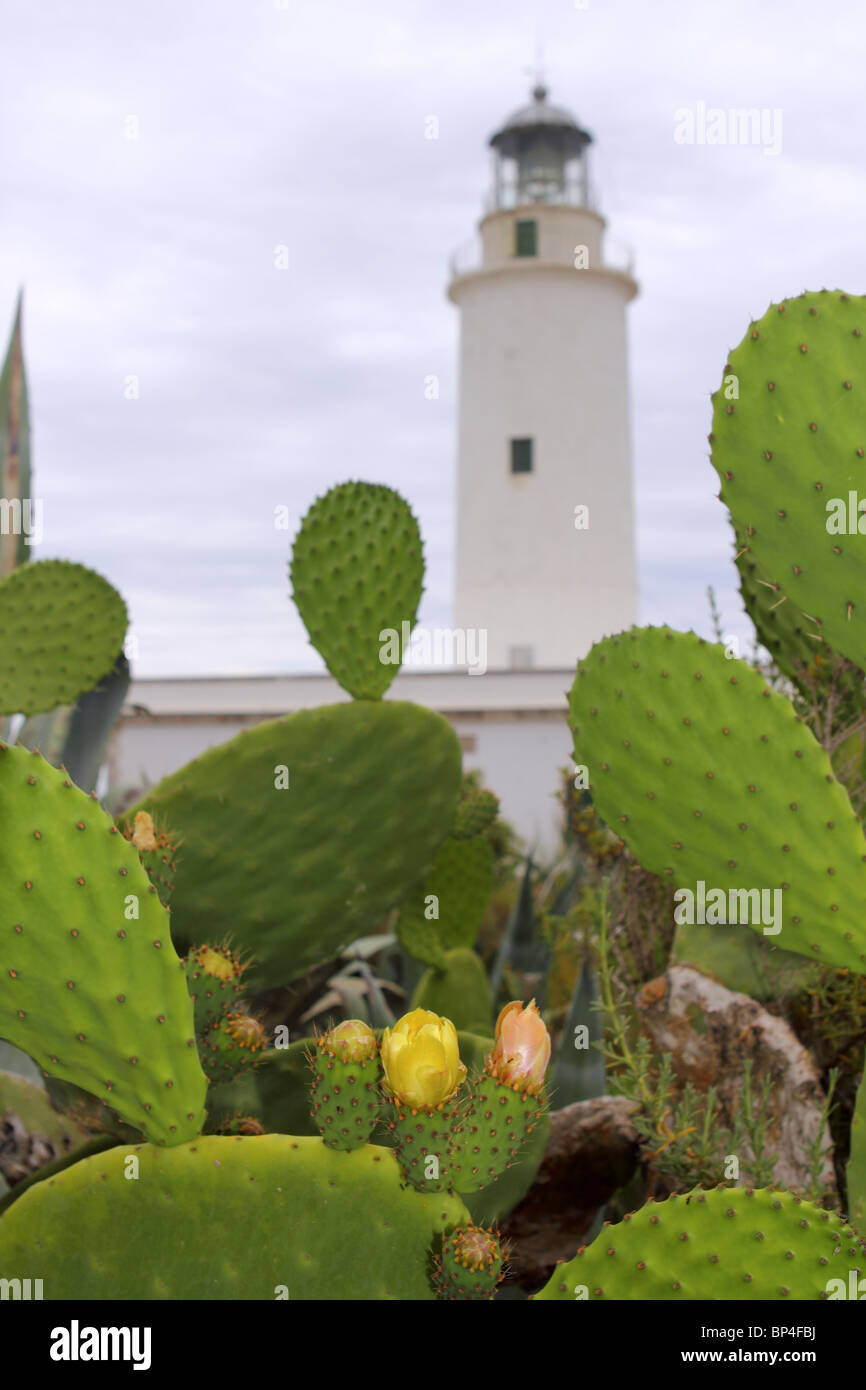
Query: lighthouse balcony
[{"x": 469, "y": 258}]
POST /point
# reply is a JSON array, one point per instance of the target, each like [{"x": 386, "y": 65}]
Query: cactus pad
[
  {"x": 724, "y": 1244},
  {"x": 93, "y": 993},
  {"x": 357, "y": 570},
  {"x": 790, "y": 444},
  {"x": 301, "y": 833},
  {"x": 497, "y": 1122},
  {"x": 476, "y": 812},
  {"x": 709, "y": 776},
  {"x": 425, "y": 1142},
  {"x": 243, "y": 1218},
  {"x": 459, "y": 991},
  {"x": 234, "y": 1045},
  {"x": 458, "y": 889},
  {"x": 214, "y": 977},
  {"x": 346, "y": 1098},
  {"x": 156, "y": 850},
  {"x": 61, "y": 628}
]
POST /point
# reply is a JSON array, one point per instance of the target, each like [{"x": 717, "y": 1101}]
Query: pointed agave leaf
[
  {"x": 578, "y": 1073},
  {"x": 14, "y": 451}
]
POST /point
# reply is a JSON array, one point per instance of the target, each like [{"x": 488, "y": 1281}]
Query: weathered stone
[
  {"x": 710, "y": 1033},
  {"x": 592, "y": 1151}
]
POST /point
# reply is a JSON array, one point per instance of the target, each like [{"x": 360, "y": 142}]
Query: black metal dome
[{"x": 557, "y": 126}]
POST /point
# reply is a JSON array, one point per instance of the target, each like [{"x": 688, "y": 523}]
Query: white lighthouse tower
[{"x": 545, "y": 528}]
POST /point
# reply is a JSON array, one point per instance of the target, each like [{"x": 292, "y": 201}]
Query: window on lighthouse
[
  {"x": 526, "y": 238},
  {"x": 521, "y": 455}
]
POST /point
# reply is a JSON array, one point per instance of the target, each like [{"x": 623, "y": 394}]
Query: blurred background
[{"x": 233, "y": 233}]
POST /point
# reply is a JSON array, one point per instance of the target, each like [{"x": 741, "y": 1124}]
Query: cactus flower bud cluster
[{"x": 450, "y": 1131}]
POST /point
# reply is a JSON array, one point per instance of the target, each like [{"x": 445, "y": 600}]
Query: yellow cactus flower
[
  {"x": 422, "y": 1060},
  {"x": 522, "y": 1049}
]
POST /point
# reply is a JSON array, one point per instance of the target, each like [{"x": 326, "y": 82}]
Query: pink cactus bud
[{"x": 522, "y": 1049}]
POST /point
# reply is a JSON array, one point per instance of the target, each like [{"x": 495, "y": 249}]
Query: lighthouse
[{"x": 545, "y": 560}]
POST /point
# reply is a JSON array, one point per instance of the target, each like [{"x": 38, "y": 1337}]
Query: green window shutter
[
  {"x": 526, "y": 238},
  {"x": 521, "y": 455}
]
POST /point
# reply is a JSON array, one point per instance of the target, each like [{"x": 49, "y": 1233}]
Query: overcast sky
[{"x": 155, "y": 154}]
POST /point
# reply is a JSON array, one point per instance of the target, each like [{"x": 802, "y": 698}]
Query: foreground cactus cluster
[{"x": 130, "y": 950}]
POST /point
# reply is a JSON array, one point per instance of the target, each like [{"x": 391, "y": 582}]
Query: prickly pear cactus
[
  {"x": 90, "y": 985},
  {"x": 231, "y": 1047},
  {"x": 425, "y": 1142},
  {"x": 459, "y": 991},
  {"x": 445, "y": 911},
  {"x": 345, "y": 1092},
  {"x": 789, "y": 445},
  {"x": 724, "y": 1244},
  {"x": 265, "y": 1217},
  {"x": 301, "y": 833},
  {"x": 357, "y": 575},
  {"x": 496, "y": 1124},
  {"x": 708, "y": 775},
  {"x": 157, "y": 850},
  {"x": 214, "y": 975},
  {"x": 476, "y": 812},
  {"x": 61, "y": 629}
]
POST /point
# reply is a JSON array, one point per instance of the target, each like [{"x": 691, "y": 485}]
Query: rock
[
  {"x": 592, "y": 1151},
  {"x": 710, "y": 1032}
]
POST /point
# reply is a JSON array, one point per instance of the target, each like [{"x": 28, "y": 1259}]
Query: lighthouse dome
[{"x": 540, "y": 117}]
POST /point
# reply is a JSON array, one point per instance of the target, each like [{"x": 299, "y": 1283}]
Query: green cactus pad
[
  {"x": 709, "y": 777},
  {"x": 420, "y": 1136},
  {"x": 460, "y": 991},
  {"x": 61, "y": 628},
  {"x": 157, "y": 850},
  {"x": 230, "y": 1048},
  {"x": 458, "y": 889},
  {"x": 214, "y": 975},
  {"x": 96, "y": 997},
  {"x": 244, "y": 1218},
  {"x": 346, "y": 1099},
  {"x": 471, "y": 1264},
  {"x": 791, "y": 443},
  {"x": 502, "y": 1194},
  {"x": 742, "y": 960},
  {"x": 476, "y": 812},
  {"x": 93, "y": 1114},
  {"x": 357, "y": 571},
  {"x": 739, "y": 1244},
  {"x": 292, "y": 873},
  {"x": 497, "y": 1123},
  {"x": 418, "y": 934}
]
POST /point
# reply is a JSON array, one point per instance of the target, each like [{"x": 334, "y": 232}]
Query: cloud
[{"x": 158, "y": 157}]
